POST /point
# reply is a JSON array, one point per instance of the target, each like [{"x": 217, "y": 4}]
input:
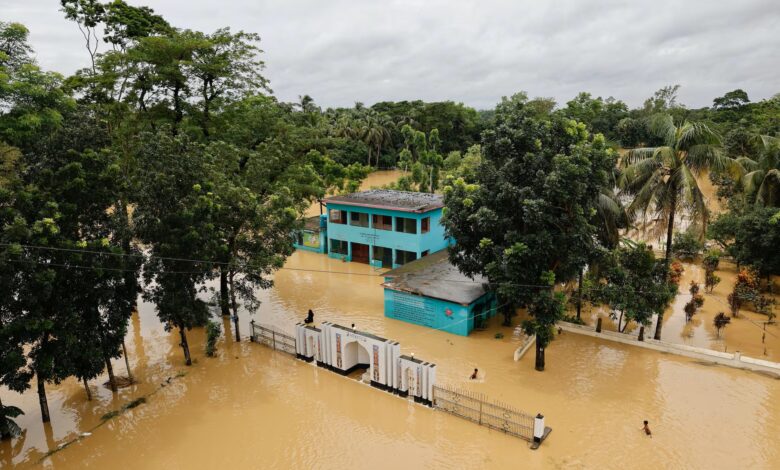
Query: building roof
[
  {"x": 405, "y": 201},
  {"x": 312, "y": 223},
  {"x": 434, "y": 276}
]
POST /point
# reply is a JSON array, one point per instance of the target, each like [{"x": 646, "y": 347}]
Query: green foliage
[
  {"x": 420, "y": 156},
  {"x": 634, "y": 284},
  {"x": 751, "y": 238},
  {"x": 599, "y": 115},
  {"x": 213, "y": 330},
  {"x": 526, "y": 220},
  {"x": 686, "y": 245},
  {"x": 720, "y": 321},
  {"x": 8, "y": 427},
  {"x": 662, "y": 180}
]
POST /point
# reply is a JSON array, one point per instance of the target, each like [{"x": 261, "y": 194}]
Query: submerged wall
[{"x": 435, "y": 313}]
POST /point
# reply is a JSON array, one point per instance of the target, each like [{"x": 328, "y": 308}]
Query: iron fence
[
  {"x": 479, "y": 409},
  {"x": 273, "y": 339}
]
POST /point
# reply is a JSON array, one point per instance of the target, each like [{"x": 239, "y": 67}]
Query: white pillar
[
  {"x": 538, "y": 428},
  {"x": 431, "y": 380}
]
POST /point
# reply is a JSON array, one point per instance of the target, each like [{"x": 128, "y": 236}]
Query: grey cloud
[{"x": 345, "y": 51}]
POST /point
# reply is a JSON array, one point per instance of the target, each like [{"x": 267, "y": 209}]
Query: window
[
  {"x": 339, "y": 247},
  {"x": 403, "y": 257},
  {"x": 403, "y": 224},
  {"x": 382, "y": 222},
  {"x": 426, "y": 225},
  {"x": 359, "y": 219},
  {"x": 337, "y": 216},
  {"x": 385, "y": 255}
]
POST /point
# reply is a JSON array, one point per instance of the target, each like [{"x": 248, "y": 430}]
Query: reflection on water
[{"x": 254, "y": 408}]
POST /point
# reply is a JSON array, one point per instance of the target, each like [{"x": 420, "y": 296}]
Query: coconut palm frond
[
  {"x": 636, "y": 155},
  {"x": 635, "y": 176},
  {"x": 701, "y": 156},
  {"x": 747, "y": 164},
  {"x": 768, "y": 193},
  {"x": 662, "y": 126}
]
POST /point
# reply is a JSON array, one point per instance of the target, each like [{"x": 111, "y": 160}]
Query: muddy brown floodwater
[{"x": 251, "y": 407}]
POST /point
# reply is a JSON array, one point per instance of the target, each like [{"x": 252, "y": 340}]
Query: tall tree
[
  {"x": 662, "y": 180},
  {"x": 526, "y": 223},
  {"x": 174, "y": 218}
]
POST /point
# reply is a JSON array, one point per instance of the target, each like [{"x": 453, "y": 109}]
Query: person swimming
[
  {"x": 474, "y": 375},
  {"x": 309, "y": 317},
  {"x": 646, "y": 429}
]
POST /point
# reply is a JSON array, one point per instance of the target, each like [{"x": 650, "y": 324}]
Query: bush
[
  {"x": 720, "y": 321},
  {"x": 573, "y": 319},
  {"x": 686, "y": 245},
  {"x": 675, "y": 272},
  {"x": 213, "y": 331},
  {"x": 711, "y": 260}
]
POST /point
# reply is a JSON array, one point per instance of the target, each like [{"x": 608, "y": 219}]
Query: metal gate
[
  {"x": 477, "y": 408},
  {"x": 272, "y": 338}
]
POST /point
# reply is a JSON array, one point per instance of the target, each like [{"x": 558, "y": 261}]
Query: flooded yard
[{"x": 251, "y": 407}]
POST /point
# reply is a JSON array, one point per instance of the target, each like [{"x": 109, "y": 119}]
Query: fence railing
[
  {"x": 479, "y": 409},
  {"x": 273, "y": 339}
]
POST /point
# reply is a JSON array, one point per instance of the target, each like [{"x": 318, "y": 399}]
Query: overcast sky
[{"x": 340, "y": 52}]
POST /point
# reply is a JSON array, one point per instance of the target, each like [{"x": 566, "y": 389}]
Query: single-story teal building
[
  {"x": 432, "y": 292},
  {"x": 314, "y": 235}
]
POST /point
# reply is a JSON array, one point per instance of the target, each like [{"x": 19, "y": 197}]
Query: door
[{"x": 360, "y": 253}]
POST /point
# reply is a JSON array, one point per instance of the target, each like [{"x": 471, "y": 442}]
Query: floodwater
[{"x": 251, "y": 407}]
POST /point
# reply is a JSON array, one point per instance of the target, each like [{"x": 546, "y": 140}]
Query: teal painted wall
[
  {"x": 432, "y": 313},
  {"x": 323, "y": 248},
  {"x": 432, "y": 241}
]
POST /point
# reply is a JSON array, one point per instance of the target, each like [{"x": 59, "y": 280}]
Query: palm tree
[
  {"x": 663, "y": 179},
  {"x": 375, "y": 133},
  {"x": 762, "y": 180}
]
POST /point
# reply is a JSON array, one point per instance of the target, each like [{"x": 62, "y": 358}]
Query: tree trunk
[
  {"x": 235, "y": 306},
  {"x": 224, "y": 302},
  {"x": 111, "y": 378},
  {"x": 670, "y": 229},
  {"x": 127, "y": 362},
  {"x": 539, "y": 355},
  {"x": 669, "y": 232},
  {"x": 620, "y": 322},
  {"x": 185, "y": 346},
  {"x": 579, "y": 294},
  {"x": 86, "y": 388},
  {"x": 45, "y": 416}
]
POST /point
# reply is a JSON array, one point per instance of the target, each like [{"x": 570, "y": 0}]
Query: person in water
[
  {"x": 474, "y": 375},
  {"x": 309, "y": 317},
  {"x": 646, "y": 429}
]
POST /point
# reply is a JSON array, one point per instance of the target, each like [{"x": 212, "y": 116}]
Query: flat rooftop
[
  {"x": 434, "y": 276},
  {"x": 405, "y": 201}
]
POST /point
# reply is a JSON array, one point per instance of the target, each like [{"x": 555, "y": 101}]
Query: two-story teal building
[
  {"x": 383, "y": 227},
  {"x": 432, "y": 292}
]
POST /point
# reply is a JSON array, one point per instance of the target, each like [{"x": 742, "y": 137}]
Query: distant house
[
  {"x": 433, "y": 293},
  {"x": 384, "y": 228},
  {"x": 314, "y": 236}
]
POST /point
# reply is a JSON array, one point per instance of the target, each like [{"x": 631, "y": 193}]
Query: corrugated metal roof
[
  {"x": 434, "y": 276},
  {"x": 405, "y": 201}
]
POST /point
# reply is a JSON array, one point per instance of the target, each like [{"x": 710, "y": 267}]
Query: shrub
[
  {"x": 675, "y": 272},
  {"x": 686, "y": 245},
  {"x": 213, "y": 331},
  {"x": 720, "y": 321},
  {"x": 710, "y": 281}
]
